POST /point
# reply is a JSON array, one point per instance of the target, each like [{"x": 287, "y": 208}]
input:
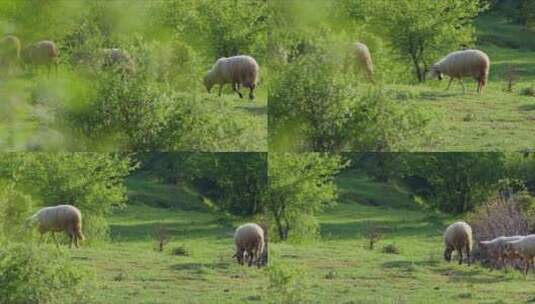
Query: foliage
[
  {"x": 285, "y": 285},
  {"x": 235, "y": 182},
  {"x": 312, "y": 108},
  {"x": 300, "y": 185},
  {"x": 421, "y": 30},
  {"x": 14, "y": 209},
  {"x": 41, "y": 275},
  {"x": 91, "y": 181}
]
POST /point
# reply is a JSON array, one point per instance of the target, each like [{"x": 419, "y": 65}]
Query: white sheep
[
  {"x": 524, "y": 249},
  {"x": 237, "y": 70},
  {"x": 59, "y": 218},
  {"x": 42, "y": 53},
  {"x": 249, "y": 240},
  {"x": 9, "y": 52},
  {"x": 466, "y": 63},
  {"x": 364, "y": 59},
  {"x": 119, "y": 58},
  {"x": 496, "y": 247},
  {"x": 458, "y": 237}
]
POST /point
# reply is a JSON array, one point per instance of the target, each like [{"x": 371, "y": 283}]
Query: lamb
[
  {"x": 364, "y": 59},
  {"x": 237, "y": 70},
  {"x": 115, "y": 57},
  {"x": 458, "y": 236},
  {"x": 496, "y": 247},
  {"x": 9, "y": 52},
  {"x": 465, "y": 63},
  {"x": 249, "y": 240},
  {"x": 59, "y": 218},
  {"x": 523, "y": 248},
  {"x": 42, "y": 53}
]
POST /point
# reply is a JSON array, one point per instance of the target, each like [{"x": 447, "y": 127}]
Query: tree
[
  {"x": 422, "y": 31},
  {"x": 299, "y": 186}
]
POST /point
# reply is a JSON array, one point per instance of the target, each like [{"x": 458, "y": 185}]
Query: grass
[
  {"x": 339, "y": 267},
  {"x": 129, "y": 269}
]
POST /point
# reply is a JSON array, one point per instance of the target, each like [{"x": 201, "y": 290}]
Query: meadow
[{"x": 339, "y": 267}]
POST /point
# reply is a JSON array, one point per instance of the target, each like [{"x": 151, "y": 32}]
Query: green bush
[
  {"x": 286, "y": 285},
  {"x": 15, "y": 206},
  {"x": 42, "y": 276}
]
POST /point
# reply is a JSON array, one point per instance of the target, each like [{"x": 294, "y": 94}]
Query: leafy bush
[
  {"x": 391, "y": 249},
  {"x": 286, "y": 284},
  {"x": 180, "y": 251},
  {"x": 14, "y": 208},
  {"x": 529, "y": 91},
  {"x": 313, "y": 107},
  {"x": 41, "y": 275}
]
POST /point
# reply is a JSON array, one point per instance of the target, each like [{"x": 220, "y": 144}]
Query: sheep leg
[
  {"x": 220, "y": 90},
  {"x": 236, "y": 89},
  {"x": 462, "y": 84},
  {"x": 449, "y": 84},
  {"x": 460, "y": 257},
  {"x": 71, "y": 240},
  {"x": 468, "y": 254},
  {"x": 251, "y": 91}
]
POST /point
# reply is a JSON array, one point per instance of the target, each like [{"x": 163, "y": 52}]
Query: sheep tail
[{"x": 79, "y": 233}]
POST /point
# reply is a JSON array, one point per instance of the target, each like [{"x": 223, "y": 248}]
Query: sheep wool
[
  {"x": 60, "y": 218},
  {"x": 237, "y": 70},
  {"x": 364, "y": 59},
  {"x": 465, "y": 63},
  {"x": 249, "y": 240},
  {"x": 458, "y": 237},
  {"x": 524, "y": 248},
  {"x": 9, "y": 51},
  {"x": 496, "y": 247}
]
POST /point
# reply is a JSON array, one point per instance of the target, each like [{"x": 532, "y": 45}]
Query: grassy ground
[
  {"x": 340, "y": 268},
  {"x": 496, "y": 120},
  {"x": 129, "y": 270}
]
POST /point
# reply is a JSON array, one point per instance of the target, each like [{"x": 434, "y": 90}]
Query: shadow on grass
[
  {"x": 527, "y": 108},
  {"x": 199, "y": 266},
  {"x": 407, "y": 265},
  {"x": 359, "y": 228},
  {"x": 441, "y": 93},
  {"x": 259, "y": 111},
  {"x": 138, "y": 232}
]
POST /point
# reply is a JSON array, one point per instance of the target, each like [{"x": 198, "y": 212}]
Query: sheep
[
  {"x": 458, "y": 236},
  {"x": 237, "y": 70},
  {"x": 115, "y": 57},
  {"x": 249, "y": 240},
  {"x": 496, "y": 247},
  {"x": 59, "y": 218},
  {"x": 42, "y": 53},
  {"x": 523, "y": 248},
  {"x": 461, "y": 64},
  {"x": 9, "y": 52},
  {"x": 364, "y": 59}
]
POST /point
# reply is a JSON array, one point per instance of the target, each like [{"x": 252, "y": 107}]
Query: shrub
[
  {"x": 180, "y": 251},
  {"x": 529, "y": 91},
  {"x": 286, "y": 285},
  {"x": 41, "y": 275},
  {"x": 15, "y": 206},
  {"x": 391, "y": 249}
]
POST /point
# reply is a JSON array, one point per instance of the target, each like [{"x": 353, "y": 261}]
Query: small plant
[
  {"x": 161, "y": 235},
  {"x": 330, "y": 275},
  {"x": 529, "y": 91},
  {"x": 373, "y": 234},
  {"x": 511, "y": 74},
  {"x": 285, "y": 284},
  {"x": 391, "y": 249},
  {"x": 119, "y": 277},
  {"x": 469, "y": 117},
  {"x": 180, "y": 251}
]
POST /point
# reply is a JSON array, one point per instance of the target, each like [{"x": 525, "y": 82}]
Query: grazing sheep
[
  {"x": 237, "y": 70},
  {"x": 118, "y": 58},
  {"x": 496, "y": 248},
  {"x": 59, "y": 218},
  {"x": 461, "y": 64},
  {"x": 42, "y": 53},
  {"x": 9, "y": 52},
  {"x": 458, "y": 236},
  {"x": 249, "y": 239},
  {"x": 364, "y": 59},
  {"x": 523, "y": 248}
]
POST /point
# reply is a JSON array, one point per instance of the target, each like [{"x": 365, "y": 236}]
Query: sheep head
[
  {"x": 435, "y": 73},
  {"x": 208, "y": 82},
  {"x": 447, "y": 254}
]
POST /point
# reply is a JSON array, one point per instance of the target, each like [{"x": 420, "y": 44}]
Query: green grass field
[
  {"x": 128, "y": 269},
  {"x": 496, "y": 120},
  {"x": 340, "y": 267}
]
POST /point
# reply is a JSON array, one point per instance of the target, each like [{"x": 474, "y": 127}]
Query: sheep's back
[
  {"x": 59, "y": 217},
  {"x": 363, "y": 55},
  {"x": 248, "y": 236},
  {"x": 465, "y": 63},
  {"x": 242, "y": 69}
]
